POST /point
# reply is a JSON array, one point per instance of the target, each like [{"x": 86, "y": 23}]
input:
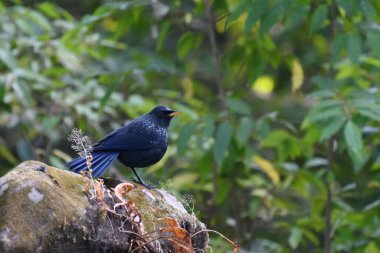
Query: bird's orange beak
[{"x": 175, "y": 113}]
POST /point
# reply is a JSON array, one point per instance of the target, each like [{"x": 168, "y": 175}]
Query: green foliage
[
  {"x": 251, "y": 148},
  {"x": 318, "y": 18},
  {"x": 353, "y": 137},
  {"x": 222, "y": 142}
]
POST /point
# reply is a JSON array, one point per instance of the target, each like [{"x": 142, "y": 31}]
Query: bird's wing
[{"x": 137, "y": 135}]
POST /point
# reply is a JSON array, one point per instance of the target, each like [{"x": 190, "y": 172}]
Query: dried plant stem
[
  {"x": 236, "y": 247},
  {"x": 180, "y": 243},
  {"x": 88, "y": 162}
]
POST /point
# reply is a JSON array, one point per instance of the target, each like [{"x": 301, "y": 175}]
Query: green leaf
[
  {"x": 238, "y": 11},
  {"x": 332, "y": 127},
  {"x": 322, "y": 115},
  {"x": 69, "y": 59},
  {"x": 359, "y": 159},
  {"x": 186, "y": 43},
  {"x": 339, "y": 43},
  {"x": 371, "y": 248},
  {"x": 41, "y": 20},
  {"x": 23, "y": 93},
  {"x": 275, "y": 138},
  {"x": 6, "y": 153},
  {"x": 49, "y": 123},
  {"x": 253, "y": 207},
  {"x": 366, "y": 102},
  {"x": 32, "y": 76},
  {"x": 287, "y": 145},
  {"x": 111, "y": 88},
  {"x": 326, "y": 104},
  {"x": 222, "y": 141},
  {"x": 373, "y": 41},
  {"x": 8, "y": 59},
  {"x": 367, "y": 108},
  {"x": 353, "y": 137},
  {"x": 24, "y": 149},
  {"x": 255, "y": 12},
  {"x": 369, "y": 114},
  {"x": 354, "y": 47},
  {"x": 322, "y": 94},
  {"x": 342, "y": 204},
  {"x": 2, "y": 91},
  {"x": 25, "y": 25},
  {"x": 372, "y": 61},
  {"x": 309, "y": 235},
  {"x": 184, "y": 180},
  {"x": 271, "y": 17},
  {"x": 239, "y": 106},
  {"x": 209, "y": 127},
  {"x": 223, "y": 192},
  {"x": 296, "y": 17},
  {"x": 163, "y": 32},
  {"x": 350, "y": 7},
  {"x": 244, "y": 131},
  {"x": 372, "y": 205},
  {"x": 229, "y": 163},
  {"x": 325, "y": 84},
  {"x": 184, "y": 137},
  {"x": 318, "y": 18},
  {"x": 49, "y": 9},
  {"x": 295, "y": 237},
  {"x": 269, "y": 20},
  {"x": 316, "y": 162},
  {"x": 368, "y": 9}
]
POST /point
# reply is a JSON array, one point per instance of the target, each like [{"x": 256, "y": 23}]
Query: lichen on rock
[{"x": 35, "y": 196}]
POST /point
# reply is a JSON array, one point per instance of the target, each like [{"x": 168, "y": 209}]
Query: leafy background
[{"x": 278, "y": 143}]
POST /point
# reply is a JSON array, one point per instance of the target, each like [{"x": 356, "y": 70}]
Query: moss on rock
[
  {"x": 45, "y": 209},
  {"x": 37, "y": 200}
]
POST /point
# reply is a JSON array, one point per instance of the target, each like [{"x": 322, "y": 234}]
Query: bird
[{"x": 140, "y": 143}]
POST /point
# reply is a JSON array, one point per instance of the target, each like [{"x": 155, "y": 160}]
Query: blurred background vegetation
[{"x": 278, "y": 143}]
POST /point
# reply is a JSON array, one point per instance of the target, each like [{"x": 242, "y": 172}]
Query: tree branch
[
  {"x": 215, "y": 54},
  {"x": 221, "y": 92},
  {"x": 330, "y": 145},
  {"x": 328, "y": 204}
]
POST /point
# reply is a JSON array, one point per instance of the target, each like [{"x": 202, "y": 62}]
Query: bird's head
[{"x": 162, "y": 115}]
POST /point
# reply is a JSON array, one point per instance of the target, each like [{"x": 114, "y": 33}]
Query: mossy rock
[{"x": 45, "y": 209}]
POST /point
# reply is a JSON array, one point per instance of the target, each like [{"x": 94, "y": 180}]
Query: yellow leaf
[
  {"x": 182, "y": 179},
  {"x": 110, "y": 24},
  {"x": 220, "y": 26},
  {"x": 235, "y": 26},
  {"x": 188, "y": 18},
  {"x": 267, "y": 168},
  {"x": 263, "y": 86},
  {"x": 188, "y": 87},
  {"x": 297, "y": 75}
]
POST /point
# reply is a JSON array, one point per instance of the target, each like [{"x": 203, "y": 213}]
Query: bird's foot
[{"x": 148, "y": 186}]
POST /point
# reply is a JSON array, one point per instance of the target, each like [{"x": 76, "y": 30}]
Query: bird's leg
[{"x": 140, "y": 181}]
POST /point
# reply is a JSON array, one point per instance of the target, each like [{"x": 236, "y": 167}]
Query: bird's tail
[{"x": 99, "y": 164}]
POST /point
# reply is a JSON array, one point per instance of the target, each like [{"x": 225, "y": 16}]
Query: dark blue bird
[{"x": 140, "y": 143}]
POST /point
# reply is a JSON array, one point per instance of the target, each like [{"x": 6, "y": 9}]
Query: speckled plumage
[{"x": 140, "y": 143}]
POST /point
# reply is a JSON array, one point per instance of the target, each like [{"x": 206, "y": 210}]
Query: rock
[{"x": 45, "y": 209}]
